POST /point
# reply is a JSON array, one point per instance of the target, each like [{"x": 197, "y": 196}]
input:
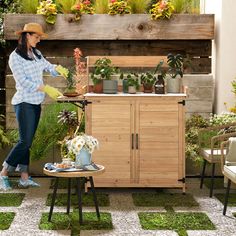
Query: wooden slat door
[
  {"x": 159, "y": 143},
  {"x": 111, "y": 124}
]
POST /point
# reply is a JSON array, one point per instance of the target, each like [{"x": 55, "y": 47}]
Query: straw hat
[{"x": 33, "y": 28}]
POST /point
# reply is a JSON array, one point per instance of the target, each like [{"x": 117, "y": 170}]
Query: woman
[{"x": 27, "y": 65}]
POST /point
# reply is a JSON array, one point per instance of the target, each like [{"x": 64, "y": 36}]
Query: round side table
[{"x": 78, "y": 175}]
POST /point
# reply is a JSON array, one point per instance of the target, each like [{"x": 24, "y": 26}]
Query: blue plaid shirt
[{"x": 28, "y": 76}]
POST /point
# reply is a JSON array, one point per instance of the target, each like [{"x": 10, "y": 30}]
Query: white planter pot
[
  {"x": 110, "y": 86},
  {"x": 173, "y": 85}
]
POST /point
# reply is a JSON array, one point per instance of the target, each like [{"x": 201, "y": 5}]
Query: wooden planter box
[{"x": 126, "y": 27}]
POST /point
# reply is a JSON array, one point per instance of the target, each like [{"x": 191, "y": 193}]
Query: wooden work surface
[{"x": 75, "y": 174}]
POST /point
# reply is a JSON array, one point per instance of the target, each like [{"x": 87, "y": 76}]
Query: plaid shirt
[{"x": 28, "y": 76}]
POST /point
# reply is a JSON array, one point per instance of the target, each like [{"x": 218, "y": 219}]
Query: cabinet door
[
  {"x": 159, "y": 130},
  {"x": 110, "y": 123}
]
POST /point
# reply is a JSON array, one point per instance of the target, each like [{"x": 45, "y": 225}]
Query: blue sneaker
[
  {"x": 4, "y": 183},
  {"x": 27, "y": 183}
]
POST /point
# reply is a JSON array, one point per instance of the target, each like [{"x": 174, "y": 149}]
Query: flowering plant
[
  {"x": 71, "y": 147},
  {"x": 83, "y": 7},
  {"x": 49, "y": 9},
  {"x": 80, "y": 71},
  {"x": 119, "y": 7},
  {"x": 163, "y": 9}
]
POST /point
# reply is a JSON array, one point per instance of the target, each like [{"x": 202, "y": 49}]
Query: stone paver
[{"x": 123, "y": 211}]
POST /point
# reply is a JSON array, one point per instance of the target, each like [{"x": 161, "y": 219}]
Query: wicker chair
[
  {"x": 210, "y": 147},
  {"x": 228, "y": 167}
]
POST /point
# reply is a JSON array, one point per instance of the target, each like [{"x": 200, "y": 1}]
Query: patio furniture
[
  {"x": 210, "y": 147},
  {"x": 228, "y": 166},
  {"x": 78, "y": 175}
]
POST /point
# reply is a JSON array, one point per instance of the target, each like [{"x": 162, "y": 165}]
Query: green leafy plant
[
  {"x": 7, "y": 6},
  {"x": 233, "y": 83},
  {"x": 65, "y": 5},
  {"x": 138, "y": 6},
  {"x": 186, "y": 6},
  {"x": 103, "y": 70},
  {"x": 193, "y": 124},
  {"x": 71, "y": 82},
  {"x": 49, "y": 9},
  {"x": 119, "y": 7},
  {"x": 3, "y": 137},
  {"x": 163, "y": 9},
  {"x": 101, "y": 6},
  {"x": 175, "y": 63},
  {"x": 49, "y": 131},
  {"x": 150, "y": 77},
  {"x": 132, "y": 79},
  {"x": 29, "y": 6}
]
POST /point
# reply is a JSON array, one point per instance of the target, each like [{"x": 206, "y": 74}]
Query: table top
[{"x": 75, "y": 174}]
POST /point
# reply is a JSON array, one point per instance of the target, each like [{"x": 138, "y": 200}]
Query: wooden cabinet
[{"x": 141, "y": 139}]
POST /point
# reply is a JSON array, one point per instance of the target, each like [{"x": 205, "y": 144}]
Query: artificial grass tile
[
  {"x": 218, "y": 183},
  {"x": 231, "y": 201},
  {"x": 62, "y": 221},
  {"x": 6, "y": 219},
  {"x": 164, "y": 200},
  {"x": 87, "y": 199},
  {"x": 179, "y": 222},
  {"x": 59, "y": 221},
  {"x": 91, "y": 222},
  {"x": 11, "y": 199}
]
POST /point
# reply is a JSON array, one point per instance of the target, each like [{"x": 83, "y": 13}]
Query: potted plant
[
  {"x": 79, "y": 148},
  {"x": 70, "y": 90},
  {"x": 132, "y": 82},
  {"x": 149, "y": 78},
  {"x": 174, "y": 72},
  {"x": 103, "y": 72}
]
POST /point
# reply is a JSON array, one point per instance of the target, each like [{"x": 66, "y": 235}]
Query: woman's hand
[
  {"x": 62, "y": 71},
  {"x": 50, "y": 91}
]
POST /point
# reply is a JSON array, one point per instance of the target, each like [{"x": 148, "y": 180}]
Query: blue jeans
[{"x": 27, "y": 116}]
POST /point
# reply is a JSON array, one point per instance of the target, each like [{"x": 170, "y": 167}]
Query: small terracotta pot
[
  {"x": 98, "y": 88},
  {"x": 147, "y": 88}
]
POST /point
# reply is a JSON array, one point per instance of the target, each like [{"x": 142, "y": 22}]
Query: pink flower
[
  {"x": 87, "y": 2},
  {"x": 112, "y": 1},
  {"x": 77, "y": 53},
  {"x": 78, "y": 7},
  {"x": 162, "y": 4}
]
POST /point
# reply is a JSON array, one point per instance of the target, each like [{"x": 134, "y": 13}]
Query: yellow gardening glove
[
  {"x": 62, "y": 71},
  {"x": 52, "y": 92}
]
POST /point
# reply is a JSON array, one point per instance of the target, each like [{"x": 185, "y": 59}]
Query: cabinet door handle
[
  {"x": 136, "y": 141},
  {"x": 132, "y": 141}
]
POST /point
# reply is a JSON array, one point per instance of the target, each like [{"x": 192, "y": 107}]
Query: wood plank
[
  {"x": 193, "y": 48},
  {"x": 104, "y": 26}
]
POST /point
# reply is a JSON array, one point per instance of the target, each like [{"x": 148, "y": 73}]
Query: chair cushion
[
  {"x": 206, "y": 154},
  {"x": 230, "y": 172},
  {"x": 231, "y": 155}
]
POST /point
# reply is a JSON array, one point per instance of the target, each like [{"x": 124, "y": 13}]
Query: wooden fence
[{"x": 133, "y": 35}]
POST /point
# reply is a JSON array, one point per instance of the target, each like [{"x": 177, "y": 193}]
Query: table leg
[
  {"x": 53, "y": 199},
  {"x": 68, "y": 196},
  {"x": 79, "y": 200},
  {"x": 94, "y": 196}
]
